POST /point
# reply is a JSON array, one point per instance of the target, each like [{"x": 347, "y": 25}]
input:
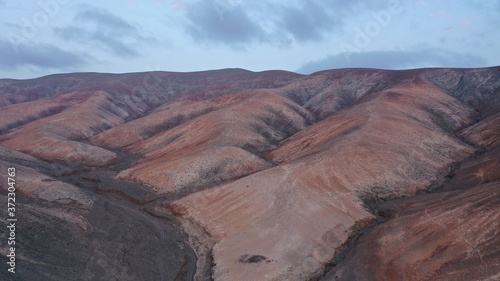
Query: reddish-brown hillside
[{"x": 349, "y": 174}]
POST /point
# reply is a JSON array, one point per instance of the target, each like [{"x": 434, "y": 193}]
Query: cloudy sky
[{"x": 52, "y": 36}]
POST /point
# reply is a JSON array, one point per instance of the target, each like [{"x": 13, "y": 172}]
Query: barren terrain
[{"x": 349, "y": 174}]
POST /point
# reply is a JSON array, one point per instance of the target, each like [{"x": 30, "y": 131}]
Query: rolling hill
[{"x": 347, "y": 174}]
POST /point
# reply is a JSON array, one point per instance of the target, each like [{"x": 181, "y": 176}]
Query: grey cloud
[
  {"x": 234, "y": 22},
  {"x": 488, "y": 8},
  {"x": 314, "y": 19},
  {"x": 12, "y": 25},
  {"x": 38, "y": 55},
  {"x": 104, "y": 18},
  {"x": 104, "y": 40},
  {"x": 110, "y": 32},
  {"x": 219, "y": 22},
  {"x": 308, "y": 22},
  {"x": 425, "y": 57}
]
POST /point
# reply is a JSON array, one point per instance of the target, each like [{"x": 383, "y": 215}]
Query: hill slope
[{"x": 236, "y": 175}]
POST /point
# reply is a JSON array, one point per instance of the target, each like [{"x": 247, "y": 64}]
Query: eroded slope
[{"x": 272, "y": 174}]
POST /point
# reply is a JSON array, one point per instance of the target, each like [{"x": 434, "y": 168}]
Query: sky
[{"x": 41, "y": 37}]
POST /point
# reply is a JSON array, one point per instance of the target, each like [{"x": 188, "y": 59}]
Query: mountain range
[{"x": 346, "y": 174}]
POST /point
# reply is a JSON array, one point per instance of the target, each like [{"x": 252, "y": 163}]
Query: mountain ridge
[{"x": 259, "y": 175}]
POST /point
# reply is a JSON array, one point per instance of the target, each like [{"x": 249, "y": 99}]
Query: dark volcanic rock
[
  {"x": 69, "y": 233},
  {"x": 113, "y": 241}
]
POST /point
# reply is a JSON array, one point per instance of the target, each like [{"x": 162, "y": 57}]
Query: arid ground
[{"x": 232, "y": 175}]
